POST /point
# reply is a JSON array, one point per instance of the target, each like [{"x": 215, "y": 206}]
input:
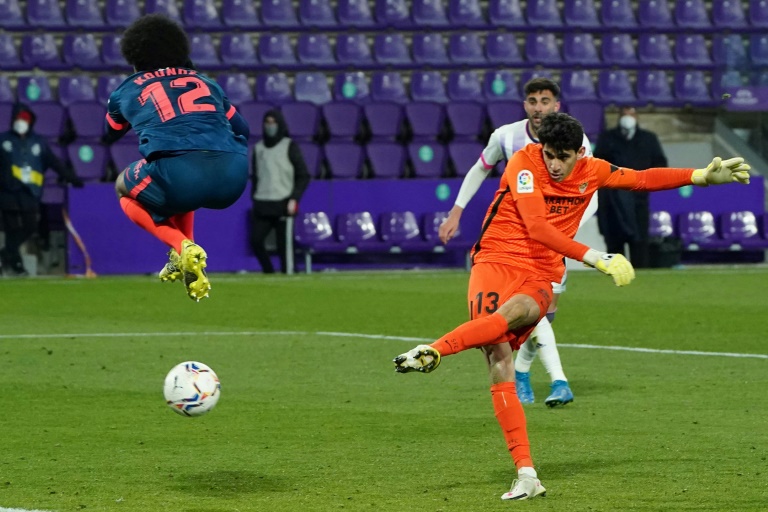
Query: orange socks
[
  {"x": 511, "y": 418},
  {"x": 165, "y": 231},
  {"x": 488, "y": 330},
  {"x": 184, "y": 222}
]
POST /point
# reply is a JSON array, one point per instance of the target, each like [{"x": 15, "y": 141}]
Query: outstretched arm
[{"x": 717, "y": 172}]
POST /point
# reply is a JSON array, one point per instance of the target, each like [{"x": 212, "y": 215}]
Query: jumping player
[
  {"x": 529, "y": 227},
  {"x": 193, "y": 141}
]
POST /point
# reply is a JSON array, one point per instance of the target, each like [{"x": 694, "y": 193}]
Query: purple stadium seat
[
  {"x": 273, "y": 88},
  {"x": 579, "y": 48},
  {"x": 614, "y": 87},
  {"x": 240, "y": 14},
  {"x": 429, "y": 48},
  {"x": 33, "y": 88},
  {"x": 345, "y": 159},
  {"x": 428, "y": 86},
  {"x": 169, "y": 8},
  {"x": 40, "y": 50},
  {"x": 653, "y": 87},
  {"x": 760, "y": 78},
  {"x": 51, "y": 117},
  {"x": 581, "y": 14},
  {"x": 302, "y": 118},
  {"x": 343, "y": 120},
  {"x": 691, "y": 14},
  {"x": 313, "y": 157},
  {"x": 386, "y": 159},
  {"x": 6, "y": 109},
  {"x": 655, "y": 15},
  {"x": 359, "y": 231},
  {"x": 660, "y": 225},
  {"x": 506, "y": 112},
  {"x": 6, "y": 94},
  {"x": 123, "y": 153},
  {"x": 729, "y": 51},
  {"x": 728, "y": 14},
  {"x": 237, "y": 49},
  {"x": 619, "y": 50},
  {"x": 429, "y": 13},
  {"x": 501, "y": 48},
  {"x": 391, "y": 49},
  {"x": 543, "y": 13},
  {"x": 725, "y": 79},
  {"x": 385, "y": 120},
  {"x": 89, "y": 160},
  {"x": 401, "y": 230},
  {"x": 73, "y": 89},
  {"x": 466, "y": 118},
  {"x": 577, "y": 86},
  {"x": 352, "y": 86},
  {"x": 276, "y": 50},
  {"x": 590, "y": 114},
  {"x": 506, "y": 13},
  {"x": 353, "y": 49},
  {"x": 655, "y": 49},
  {"x": 253, "y": 112},
  {"x": 691, "y": 50},
  {"x": 354, "y": 13},
  {"x": 466, "y": 49},
  {"x": 530, "y": 74},
  {"x": 758, "y": 50},
  {"x": 312, "y": 87},
  {"x": 316, "y": 13},
  {"x": 87, "y": 119},
  {"x": 742, "y": 228},
  {"x": 105, "y": 84},
  {"x": 466, "y": 13},
  {"x": 315, "y": 50},
  {"x": 236, "y": 87},
  {"x": 501, "y": 86},
  {"x": 758, "y": 13},
  {"x": 203, "y": 53},
  {"x": 463, "y": 155},
  {"x": 110, "y": 52},
  {"x": 9, "y": 54},
  {"x": 426, "y": 119},
  {"x": 618, "y": 14},
  {"x": 121, "y": 13},
  {"x": 201, "y": 14},
  {"x": 428, "y": 159},
  {"x": 314, "y": 233},
  {"x": 388, "y": 86},
  {"x": 11, "y": 17},
  {"x": 84, "y": 14},
  {"x": 464, "y": 86},
  {"x": 542, "y": 48},
  {"x": 45, "y": 14},
  {"x": 81, "y": 51},
  {"x": 691, "y": 87},
  {"x": 698, "y": 231},
  {"x": 392, "y": 13},
  {"x": 279, "y": 13}
]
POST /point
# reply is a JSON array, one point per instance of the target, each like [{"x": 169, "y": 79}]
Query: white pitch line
[
  {"x": 20, "y": 510},
  {"x": 354, "y": 335}
]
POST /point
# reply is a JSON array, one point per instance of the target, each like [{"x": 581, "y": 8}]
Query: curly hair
[
  {"x": 561, "y": 132},
  {"x": 154, "y": 42},
  {"x": 541, "y": 83}
]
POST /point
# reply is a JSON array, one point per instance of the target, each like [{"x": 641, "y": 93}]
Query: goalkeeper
[{"x": 528, "y": 229}]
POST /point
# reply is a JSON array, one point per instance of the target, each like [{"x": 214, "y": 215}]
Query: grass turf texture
[{"x": 323, "y": 423}]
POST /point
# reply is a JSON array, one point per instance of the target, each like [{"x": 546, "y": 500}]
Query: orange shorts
[{"x": 493, "y": 284}]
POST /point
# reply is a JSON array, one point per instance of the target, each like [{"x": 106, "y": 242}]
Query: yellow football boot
[
  {"x": 193, "y": 263},
  {"x": 172, "y": 270}
]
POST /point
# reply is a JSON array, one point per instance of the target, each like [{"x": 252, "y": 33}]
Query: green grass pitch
[{"x": 312, "y": 418}]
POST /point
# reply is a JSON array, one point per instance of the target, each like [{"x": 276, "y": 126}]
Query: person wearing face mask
[
  {"x": 24, "y": 158},
  {"x": 280, "y": 178},
  {"x": 623, "y": 215}
]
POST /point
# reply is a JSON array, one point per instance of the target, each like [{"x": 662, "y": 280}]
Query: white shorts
[{"x": 559, "y": 288}]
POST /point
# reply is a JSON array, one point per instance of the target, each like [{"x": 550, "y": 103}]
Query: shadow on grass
[{"x": 228, "y": 483}]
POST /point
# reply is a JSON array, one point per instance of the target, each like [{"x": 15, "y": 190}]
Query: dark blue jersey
[{"x": 175, "y": 109}]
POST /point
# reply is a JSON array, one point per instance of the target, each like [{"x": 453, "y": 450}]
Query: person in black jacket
[
  {"x": 280, "y": 178},
  {"x": 24, "y": 158},
  {"x": 623, "y": 215}
]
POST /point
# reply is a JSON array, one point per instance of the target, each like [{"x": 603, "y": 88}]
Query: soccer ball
[{"x": 191, "y": 388}]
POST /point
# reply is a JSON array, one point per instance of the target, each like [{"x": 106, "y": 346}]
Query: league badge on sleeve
[{"x": 524, "y": 182}]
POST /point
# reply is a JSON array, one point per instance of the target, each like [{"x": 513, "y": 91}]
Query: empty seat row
[
  {"x": 702, "y": 230},
  {"x": 241, "y": 51},
  {"x": 281, "y": 14}
]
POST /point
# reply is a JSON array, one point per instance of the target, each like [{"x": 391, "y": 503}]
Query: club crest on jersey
[
  {"x": 524, "y": 182},
  {"x": 583, "y": 187}
]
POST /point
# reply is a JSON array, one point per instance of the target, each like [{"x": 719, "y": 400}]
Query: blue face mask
[{"x": 270, "y": 130}]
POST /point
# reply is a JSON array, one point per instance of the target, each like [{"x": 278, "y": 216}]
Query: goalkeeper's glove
[
  {"x": 615, "y": 265},
  {"x": 721, "y": 171}
]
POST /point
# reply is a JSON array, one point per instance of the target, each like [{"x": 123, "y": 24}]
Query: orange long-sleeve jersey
[{"x": 532, "y": 220}]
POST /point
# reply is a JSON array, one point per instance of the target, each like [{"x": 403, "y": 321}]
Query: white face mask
[
  {"x": 20, "y": 126},
  {"x": 628, "y": 125}
]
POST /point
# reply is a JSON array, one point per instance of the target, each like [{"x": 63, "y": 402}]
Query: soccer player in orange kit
[{"x": 528, "y": 229}]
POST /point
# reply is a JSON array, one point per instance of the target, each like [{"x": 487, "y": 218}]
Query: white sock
[
  {"x": 526, "y": 471},
  {"x": 548, "y": 353},
  {"x": 526, "y": 353}
]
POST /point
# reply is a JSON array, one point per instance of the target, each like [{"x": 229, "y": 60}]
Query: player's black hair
[
  {"x": 154, "y": 42},
  {"x": 561, "y": 132},
  {"x": 542, "y": 84}
]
